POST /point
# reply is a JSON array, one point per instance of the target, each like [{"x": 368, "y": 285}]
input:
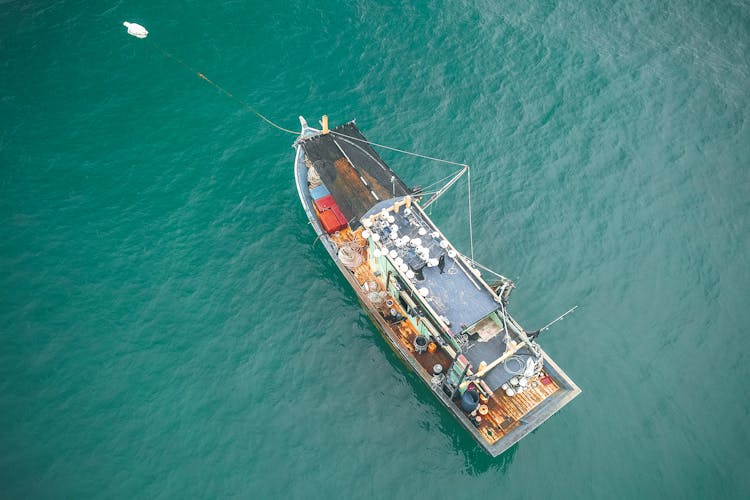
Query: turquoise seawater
[{"x": 169, "y": 329}]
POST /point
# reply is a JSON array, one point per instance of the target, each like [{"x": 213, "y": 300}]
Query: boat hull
[{"x": 547, "y": 408}]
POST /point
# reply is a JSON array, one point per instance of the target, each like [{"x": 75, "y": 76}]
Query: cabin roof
[
  {"x": 352, "y": 171},
  {"x": 453, "y": 291}
]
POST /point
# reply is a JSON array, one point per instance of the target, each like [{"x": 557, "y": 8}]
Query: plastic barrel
[{"x": 469, "y": 401}]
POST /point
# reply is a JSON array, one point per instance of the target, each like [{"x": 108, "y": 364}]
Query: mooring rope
[
  {"x": 260, "y": 115},
  {"x": 223, "y": 90}
]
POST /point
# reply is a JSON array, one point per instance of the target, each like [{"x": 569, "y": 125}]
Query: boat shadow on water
[{"x": 476, "y": 460}]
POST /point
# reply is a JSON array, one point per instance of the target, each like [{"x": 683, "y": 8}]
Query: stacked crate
[{"x": 328, "y": 211}]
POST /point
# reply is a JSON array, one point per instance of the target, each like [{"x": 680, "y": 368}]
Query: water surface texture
[{"x": 168, "y": 328}]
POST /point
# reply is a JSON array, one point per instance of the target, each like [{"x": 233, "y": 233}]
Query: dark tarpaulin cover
[{"x": 352, "y": 171}]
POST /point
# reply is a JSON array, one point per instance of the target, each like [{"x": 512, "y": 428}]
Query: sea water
[{"x": 169, "y": 328}]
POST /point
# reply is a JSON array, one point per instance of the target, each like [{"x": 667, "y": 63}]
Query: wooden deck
[{"x": 505, "y": 413}]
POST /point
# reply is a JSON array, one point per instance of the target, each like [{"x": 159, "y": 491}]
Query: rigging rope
[
  {"x": 488, "y": 270},
  {"x": 471, "y": 231},
  {"x": 400, "y": 150},
  {"x": 439, "y": 181}
]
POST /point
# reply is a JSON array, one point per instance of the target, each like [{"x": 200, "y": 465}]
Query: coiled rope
[{"x": 350, "y": 256}]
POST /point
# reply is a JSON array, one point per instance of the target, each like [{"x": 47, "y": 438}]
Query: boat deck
[
  {"x": 454, "y": 291},
  {"x": 505, "y": 413},
  {"x": 351, "y": 170}
]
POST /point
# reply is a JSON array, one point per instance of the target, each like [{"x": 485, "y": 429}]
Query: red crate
[
  {"x": 325, "y": 203},
  {"x": 330, "y": 222},
  {"x": 340, "y": 216}
]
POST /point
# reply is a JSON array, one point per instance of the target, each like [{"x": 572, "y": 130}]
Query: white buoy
[
  {"x": 391, "y": 219},
  {"x": 399, "y": 261},
  {"x": 376, "y": 253},
  {"x": 394, "y": 236},
  {"x": 403, "y": 268},
  {"x": 366, "y": 234},
  {"x": 422, "y": 231},
  {"x": 367, "y": 222},
  {"x": 435, "y": 234},
  {"x": 510, "y": 392},
  {"x": 393, "y": 254},
  {"x": 452, "y": 254},
  {"x": 444, "y": 244},
  {"x": 410, "y": 274},
  {"x": 433, "y": 262},
  {"x": 424, "y": 292},
  {"x": 514, "y": 381},
  {"x": 136, "y": 30},
  {"x": 375, "y": 237}
]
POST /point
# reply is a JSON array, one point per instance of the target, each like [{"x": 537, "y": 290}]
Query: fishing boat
[{"x": 430, "y": 302}]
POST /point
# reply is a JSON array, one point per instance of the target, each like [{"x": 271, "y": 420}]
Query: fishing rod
[{"x": 533, "y": 335}]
